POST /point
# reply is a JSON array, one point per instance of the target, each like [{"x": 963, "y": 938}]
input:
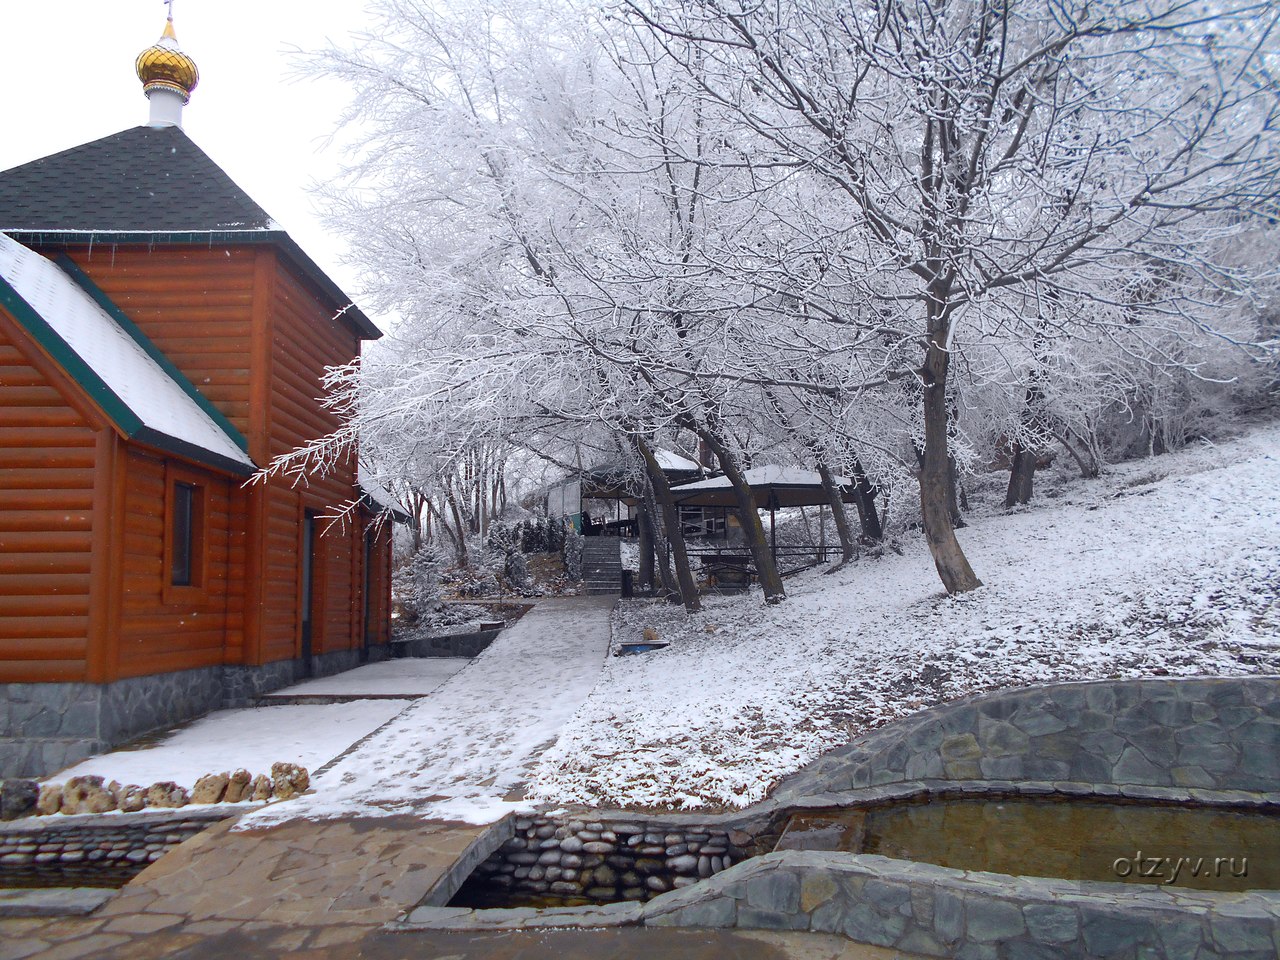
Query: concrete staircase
[{"x": 602, "y": 565}]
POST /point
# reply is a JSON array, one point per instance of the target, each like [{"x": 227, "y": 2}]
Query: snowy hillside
[{"x": 1165, "y": 566}]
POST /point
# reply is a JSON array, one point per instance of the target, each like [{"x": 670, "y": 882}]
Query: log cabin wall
[
  {"x": 48, "y": 454},
  {"x": 379, "y": 598},
  {"x": 162, "y": 628},
  {"x": 95, "y": 644},
  {"x": 255, "y": 340},
  {"x": 195, "y": 303},
  {"x": 305, "y": 338}
]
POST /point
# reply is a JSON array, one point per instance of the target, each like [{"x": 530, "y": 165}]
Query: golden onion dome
[{"x": 163, "y": 66}]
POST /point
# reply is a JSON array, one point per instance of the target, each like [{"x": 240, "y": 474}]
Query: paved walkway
[
  {"x": 323, "y": 888},
  {"x": 120, "y": 939},
  {"x": 405, "y": 678},
  {"x": 465, "y": 752},
  {"x": 319, "y": 877}
]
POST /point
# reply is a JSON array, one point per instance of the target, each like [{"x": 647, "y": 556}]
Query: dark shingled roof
[
  {"x": 152, "y": 179},
  {"x": 147, "y": 185}
]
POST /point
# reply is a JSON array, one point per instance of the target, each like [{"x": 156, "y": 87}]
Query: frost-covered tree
[
  {"x": 981, "y": 146},
  {"x": 885, "y": 232}
]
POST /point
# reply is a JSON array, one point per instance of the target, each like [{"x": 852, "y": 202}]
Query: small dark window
[{"x": 184, "y": 534}]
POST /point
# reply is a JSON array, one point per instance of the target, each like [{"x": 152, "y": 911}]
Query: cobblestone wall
[
  {"x": 92, "y": 851},
  {"x": 603, "y": 861}
]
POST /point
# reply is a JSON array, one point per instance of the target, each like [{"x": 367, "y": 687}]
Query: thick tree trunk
[
  {"x": 1022, "y": 474},
  {"x": 419, "y": 504},
  {"x": 935, "y": 476},
  {"x": 749, "y": 516},
  {"x": 460, "y": 541},
  {"x": 953, "y": 492},
  {"x": 843, "y": 530},
  {"x": 865, "y": 500},
  {"x": 671, "y": 522},
  {"x": 661, "y": 549},
  {"x": 645, "y": 524}
]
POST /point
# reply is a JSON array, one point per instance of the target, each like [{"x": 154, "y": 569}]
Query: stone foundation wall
[
  {"x": 1206, "y": 740},
  {"x": 46, "y": 727},
  {"x": 603, "y": 861},
  {"x": 447, "y": 645},
  {"x": 92, "y": 851}
]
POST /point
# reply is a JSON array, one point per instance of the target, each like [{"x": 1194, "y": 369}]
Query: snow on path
[
  {"x": 253, "y": 739},
  {"x": 460, "y": 752},
  {"x": 403, "y": 677}
]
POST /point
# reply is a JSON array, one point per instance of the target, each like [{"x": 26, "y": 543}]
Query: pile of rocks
[
  {"x": 605, "y": 862},
  {"x": 90, "y": 794}
]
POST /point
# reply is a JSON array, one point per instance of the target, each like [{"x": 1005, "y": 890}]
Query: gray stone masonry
[
  {"x": 469, "y": 644},
  {"x": 920, "y": 908},
  {"x": 1209, "y": 740},
  {"x": 46, "y": 727},
  {"x": 94, "y": 851},
  {"x": 1175, "y": 735}
]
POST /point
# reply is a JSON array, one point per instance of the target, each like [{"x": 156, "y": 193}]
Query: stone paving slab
[
  {"x": 53, "y": 901},
  {"x": 311, "y": 873},
  {"x": 85, "y": 939}
]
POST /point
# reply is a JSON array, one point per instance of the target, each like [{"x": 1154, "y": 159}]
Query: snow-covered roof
[
  {"x": 789, "y": 487},
  {"x": 378, "y": 495},
  {"x": 112, "y": 363},
  {"x": 769, "y": 475},
  {"x": 673, "y": 461}
]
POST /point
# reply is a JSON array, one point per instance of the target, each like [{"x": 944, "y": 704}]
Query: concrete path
[
  {"x": 247, "y": 926},
  {"x": 464, "y": 752},
  {"x": 405, "y": 678},
  {"x": 318, "y": 876}
]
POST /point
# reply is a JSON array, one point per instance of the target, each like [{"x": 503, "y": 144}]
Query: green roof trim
[
  {"x": 72, "y": 269},
  {"x": 323, "y": 283},
  {"x": 182, "y": 448},
  {"x": 71, "y": 362},
  {"x": 107, "y": 400}
]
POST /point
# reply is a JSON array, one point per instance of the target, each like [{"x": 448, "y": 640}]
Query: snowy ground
[
  {"x": 251, "y": 739},
  {"x": 406, "y": 677},
  {"x": 465, "y": 751},
  {"x": 1166, "y": 566}
]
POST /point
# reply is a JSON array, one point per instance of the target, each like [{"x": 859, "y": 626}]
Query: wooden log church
[{"x": 161, "y": 339}]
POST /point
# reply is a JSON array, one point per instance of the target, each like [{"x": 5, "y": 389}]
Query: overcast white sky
[{"x": 66, "y": 72}]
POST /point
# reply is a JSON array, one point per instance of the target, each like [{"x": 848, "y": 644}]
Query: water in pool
[{"x": 1207, "y": 848}]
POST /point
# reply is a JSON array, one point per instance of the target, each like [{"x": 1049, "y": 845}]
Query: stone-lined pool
[{"x": 1205, "y": 848}]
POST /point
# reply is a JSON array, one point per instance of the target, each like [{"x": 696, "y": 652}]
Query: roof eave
[
  {"x": 118, "y": 413},
  {"x": 343, "y": 305},
  {"x": 190, "y": 451}
]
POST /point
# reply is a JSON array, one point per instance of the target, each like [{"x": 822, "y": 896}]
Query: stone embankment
[
  {"x": 1197, "y": 741},
  {"x": 601, "y": 862},
  {"x": 94, "y": 851}
]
